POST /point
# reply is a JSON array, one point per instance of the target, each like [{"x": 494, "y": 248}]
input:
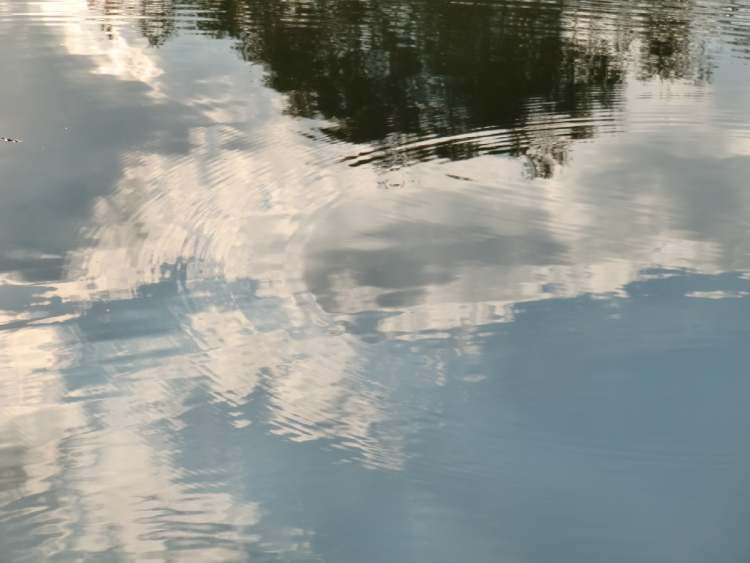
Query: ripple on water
[{"x": 471, "y": 266}]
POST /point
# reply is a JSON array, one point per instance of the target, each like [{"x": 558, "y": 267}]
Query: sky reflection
[{"x": 241, "y": 319}]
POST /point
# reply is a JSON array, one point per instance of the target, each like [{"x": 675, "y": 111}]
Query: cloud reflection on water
[{"x": 225, "y": 278}]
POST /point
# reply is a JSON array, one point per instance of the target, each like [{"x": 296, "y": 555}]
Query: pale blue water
[{"x": 376, "y": 281}]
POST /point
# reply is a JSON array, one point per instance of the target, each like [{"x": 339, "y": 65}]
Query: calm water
[{"x": 364, "y": 281}]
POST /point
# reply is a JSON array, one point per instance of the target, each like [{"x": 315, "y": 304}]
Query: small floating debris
[{"x": 10, "y": 140}]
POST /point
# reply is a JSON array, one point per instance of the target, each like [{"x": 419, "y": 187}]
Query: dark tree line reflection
[{"x": 412, "y": 68}]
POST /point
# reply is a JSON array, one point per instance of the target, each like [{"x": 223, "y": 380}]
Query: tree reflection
[
  {"x": 439, "y": 69},
  {"x": 156, "y": 18},
  {"x": 669, "y": 50},
  {"x": 435, "y": 68}
]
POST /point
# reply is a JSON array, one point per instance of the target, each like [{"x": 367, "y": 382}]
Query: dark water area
[{"x": 364, "y": 281}]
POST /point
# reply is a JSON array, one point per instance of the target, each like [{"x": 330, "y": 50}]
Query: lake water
[{"x": 375, "y": 281}]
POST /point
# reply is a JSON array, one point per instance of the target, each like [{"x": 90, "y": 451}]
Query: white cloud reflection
[{"x": 256, "y": 203}]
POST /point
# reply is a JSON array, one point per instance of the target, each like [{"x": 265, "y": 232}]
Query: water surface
[{"x": 363, "y": 281}]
